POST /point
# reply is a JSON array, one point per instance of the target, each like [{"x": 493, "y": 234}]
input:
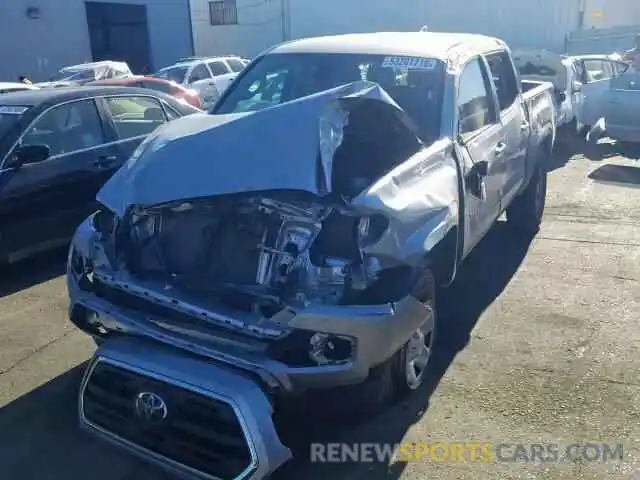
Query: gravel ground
[{"x": 541, "y": 345}]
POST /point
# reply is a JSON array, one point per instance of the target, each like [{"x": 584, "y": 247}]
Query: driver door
[
  {"x": 42, "y": 203},
  {"x": 481, "y": 140},
  {"x": 595, "y": 83},
  {"x": 622, "y": 107}
]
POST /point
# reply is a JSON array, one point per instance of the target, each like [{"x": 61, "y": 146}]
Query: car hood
[{"x": 286, "y": 147}]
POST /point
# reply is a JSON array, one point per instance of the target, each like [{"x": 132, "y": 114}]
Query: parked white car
[
  {"x": 596, "y": 75},
  {"x": 209, "y": 76},
  {"x": 580, "y": 82},
  {"x": 7, "y": 87}
]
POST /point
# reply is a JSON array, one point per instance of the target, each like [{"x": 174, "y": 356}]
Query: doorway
[{"x": 120, "y": 32}]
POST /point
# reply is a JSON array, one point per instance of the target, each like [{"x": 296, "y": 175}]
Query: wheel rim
[{"x": 419, "y": 350}]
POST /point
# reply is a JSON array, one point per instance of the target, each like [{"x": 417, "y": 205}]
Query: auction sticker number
[{"x": 412, "y": 63}]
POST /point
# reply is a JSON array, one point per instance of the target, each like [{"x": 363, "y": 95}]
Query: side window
[
  {"x": 474, "y": 100},
  {"x": 618, "y": 68},
  {"x": 235, "y": 64},
  {"x": 504, "y": 78},
  {"x": 135, "y": 116},
  {"x": 67, "y": 128},
  {"x": 199, "y": 72},
  {"x": 580, "y": 72},
  {"x": 596, "y": 70},
  {"x": 217, "y": 67}
]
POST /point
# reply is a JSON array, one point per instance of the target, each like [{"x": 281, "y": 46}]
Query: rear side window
[
  {"x": 235, "y": 64},
  {"x": 135, "y": 116},
  {"x": 596, "y": 70},
  {"x": 199, "y": 72},
  {"x": 504, "y": 78},
  {"x": 217, "y": 67},
  {"x": 67, "y": 128},
  {"x": 474, "y": 101}
]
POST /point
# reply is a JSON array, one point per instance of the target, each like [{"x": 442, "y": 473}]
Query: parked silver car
[{"x": 292, "y": 241}]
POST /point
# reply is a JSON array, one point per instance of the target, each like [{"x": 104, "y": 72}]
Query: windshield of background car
[
  {"x": 416, "y": 84},
  {"x": 174, "y": 74},
  {"x": 9, "y": 116}
]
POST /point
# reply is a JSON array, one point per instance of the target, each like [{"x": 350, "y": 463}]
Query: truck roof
[{"x": 424, "y": 44}]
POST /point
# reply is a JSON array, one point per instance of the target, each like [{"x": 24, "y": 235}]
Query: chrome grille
[{"x": 199, "y": 432}]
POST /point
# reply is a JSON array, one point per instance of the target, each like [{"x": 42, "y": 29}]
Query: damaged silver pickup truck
[{"x": 291, "y": 241}]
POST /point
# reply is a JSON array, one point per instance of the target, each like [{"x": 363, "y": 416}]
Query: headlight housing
[{"x": 103, "y": 221}]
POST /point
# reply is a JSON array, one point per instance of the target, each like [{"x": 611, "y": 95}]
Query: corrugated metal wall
[
  {"x": 313, "y": 18},
  {"x": 602, "y": 40},
  {"x": 521, "y": 23},
  {"x": 611, "y": 13}
]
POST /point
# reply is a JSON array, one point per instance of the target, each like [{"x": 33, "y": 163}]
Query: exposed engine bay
[{"x": 259, "y": 252}]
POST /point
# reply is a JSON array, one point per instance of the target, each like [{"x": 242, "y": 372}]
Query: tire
[
  {"x": 405, "y": 379},
  {"x": 525, "y": 213},
  {"x": 392, "y": 377}
]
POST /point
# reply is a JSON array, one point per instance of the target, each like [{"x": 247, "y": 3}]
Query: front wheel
[
  {"x": 525, "y": 213},
  {"x": 404, "y": 372}
]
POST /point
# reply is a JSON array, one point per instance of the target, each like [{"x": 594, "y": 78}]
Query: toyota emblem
[{"x": 151, "y": 407}]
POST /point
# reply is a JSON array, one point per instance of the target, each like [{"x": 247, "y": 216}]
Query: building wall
[
  {"x": 522, "y": 23},
  {"x": 170, "y": 33},
  {"x": 611, "y": 13},
  {"x": 60, "y": 36},
  {"x": 259, "y": 26}
]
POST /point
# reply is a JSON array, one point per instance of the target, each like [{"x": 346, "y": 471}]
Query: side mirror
[
  {"x": 576, "y": 87},
  {"x": 26, "y": 154},
  {"x": 476, "y": 179}
]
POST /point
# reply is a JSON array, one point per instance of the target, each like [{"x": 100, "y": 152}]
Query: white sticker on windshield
[
  {"x": 412, "y": 63},
  {"x": 12, "y": 110}
]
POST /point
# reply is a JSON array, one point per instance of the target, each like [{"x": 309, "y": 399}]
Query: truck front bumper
[{"x": 378, "y": 332}]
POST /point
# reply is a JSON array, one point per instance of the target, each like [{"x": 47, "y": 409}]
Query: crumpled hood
[{"x": 286, "y": 147}]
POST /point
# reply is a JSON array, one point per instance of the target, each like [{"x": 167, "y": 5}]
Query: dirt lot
[{"x": 542, "y": 344}]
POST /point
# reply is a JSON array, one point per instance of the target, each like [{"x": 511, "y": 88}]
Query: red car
[{"x": 189, "y": 96}]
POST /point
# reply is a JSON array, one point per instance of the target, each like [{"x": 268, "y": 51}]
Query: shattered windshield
[{"x": 416, "y": 84}]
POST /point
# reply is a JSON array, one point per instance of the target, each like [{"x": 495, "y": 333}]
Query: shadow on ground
[
  {"x": 621, "y": 175},
  {"x": 30, "y": 272},
  {"x": 484, "y": 276},
  {"x": 607, "y": 148},
  {"x": 41, "y": 439},
  {"x": 563, "y": 151}
]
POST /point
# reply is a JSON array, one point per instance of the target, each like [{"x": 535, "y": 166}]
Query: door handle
[
  {"x": 104, "y": 161},
  {"x": 500, "y": 148}
]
